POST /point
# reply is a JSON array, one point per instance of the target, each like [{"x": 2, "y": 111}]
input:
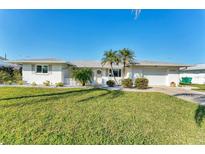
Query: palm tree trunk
[
  {"x": 118, "y": 72},
  {"x": 113, "y": 74},
  {"x": 123, "y": 76}
]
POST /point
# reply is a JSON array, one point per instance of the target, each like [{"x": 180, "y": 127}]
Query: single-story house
[
  {"x": 55, "y": 70},
  {"x": 196, "y": 72}
]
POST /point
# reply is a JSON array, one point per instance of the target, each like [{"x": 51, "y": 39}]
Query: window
[
  {"x": 116, "y": 72},
  {"x": 38, "y": 69},
  {"x": 41, "y": 68}
]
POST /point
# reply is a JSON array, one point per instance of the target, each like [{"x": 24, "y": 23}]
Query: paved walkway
[{"x": 180, "y": 92}]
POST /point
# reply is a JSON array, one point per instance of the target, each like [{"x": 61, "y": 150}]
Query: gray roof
[
  {"x": 95, "y": 63},
  {"x": 196, "y": 67},
  {"x": 92, "y": 63},
  {"x": 157, "y": 63},
  {"x": 44, "y": 60}
]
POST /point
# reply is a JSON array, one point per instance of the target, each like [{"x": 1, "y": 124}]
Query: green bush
[
  {"x": 9, "y": 82},
  {"x": 47, "y": 83},
  {"x": 16, "y": 76},
  {"x": 20, "y": 82},
  {"x": 141, "y": 83},
  {"x": 33, "y": 84},
  {"x": 59, "y": 84},
  {"x": 127, "y": 83},
  {"x": 110, "y": 83},
  {"x": 4, "y": 76}
]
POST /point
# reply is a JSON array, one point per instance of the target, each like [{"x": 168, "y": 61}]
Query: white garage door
[{"x": 156, "y": 76}]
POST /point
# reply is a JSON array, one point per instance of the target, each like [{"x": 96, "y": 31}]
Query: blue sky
[{"x": 164, "y": 35}]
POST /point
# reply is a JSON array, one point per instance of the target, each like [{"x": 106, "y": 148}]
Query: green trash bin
[{"x": 186, "y": 80}]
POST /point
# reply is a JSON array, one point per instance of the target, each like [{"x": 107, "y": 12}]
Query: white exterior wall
[
  {"x": 97, "y": 79},
  {"x": 102, "y": 79},
  {"x": 197, "y": 78},
  {"x": 62, "y": 73},
  {"x": 155, "y": 75},
  {"x": 173, "y": 75},
  {"x": 54, "y": 76}
]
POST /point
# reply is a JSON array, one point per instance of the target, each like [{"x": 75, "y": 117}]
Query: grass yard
[
  {"x": 94, "y": 116},
  {"x": 201, "y": 87}
]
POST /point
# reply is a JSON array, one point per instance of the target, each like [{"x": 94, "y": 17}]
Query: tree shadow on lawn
[
  {"x": 26, "y": 100},
  {"x": 113, "y": 94},
  {"x": 49, "y": 94},
  {"x": 200, "y": 114}
]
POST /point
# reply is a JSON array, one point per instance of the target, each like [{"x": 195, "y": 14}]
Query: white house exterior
[
  {"x": 197, "y": 73},
  {"x": 54, "y": 70}
]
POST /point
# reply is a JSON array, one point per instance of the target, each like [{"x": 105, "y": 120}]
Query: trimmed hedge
[
  {"x": 127, "y": 83},
  {"x": 59, "y": 84},
  {"x": 110, "y": 83},
  {"x": 141, "y": 83}
]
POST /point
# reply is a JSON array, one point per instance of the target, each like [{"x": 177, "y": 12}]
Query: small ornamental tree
[{"x": 83, "y": 75}]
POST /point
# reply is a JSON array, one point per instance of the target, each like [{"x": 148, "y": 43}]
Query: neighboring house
[
  {"x": 5, "y": 63},
  {"x": 197, "y": 73},
  {"x": 55, "y": 70}
]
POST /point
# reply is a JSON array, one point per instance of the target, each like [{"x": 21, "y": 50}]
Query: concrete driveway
[
  {"x": 180, "y": 92},
  {"x": 183, "y": 93}
]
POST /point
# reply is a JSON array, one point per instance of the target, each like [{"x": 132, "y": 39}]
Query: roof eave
[
  {"x": 40, "y": 62},
  {"x": 162, "y": 65}
]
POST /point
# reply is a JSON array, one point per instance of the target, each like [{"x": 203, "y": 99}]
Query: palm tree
[
  {"x": 110, "y": 58},
  {"x": 117, "y": 61},
  {"x": 127, "y": 56},
  {"x": 83, "y": 75}
]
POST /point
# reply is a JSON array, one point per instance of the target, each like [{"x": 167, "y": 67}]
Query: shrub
[
  {"x": 47, "y": 83},
  {"x": 21, "y": 82},
  {"x": 141, "y": 83},
  {"x": 127, "y": 83},
  {"x": 17, "y": 76},
  {"x": 4, "y": 76},
  {"x": 172, "y": 84},
  {"x": 110, "y": 83},
  {"x": 83, "y": 75},
  {"x": 33, "y": 84},
  {"x": 59, "y": 84},
  {"x": 9, "y": 82}
]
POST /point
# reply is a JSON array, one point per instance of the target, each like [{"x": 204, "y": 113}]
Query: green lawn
[
  {"x": 93, "y": 116},
  {"x": 201, "y": 87}
]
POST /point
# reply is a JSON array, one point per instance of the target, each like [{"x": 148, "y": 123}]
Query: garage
[{"x": 156, "y": 76}]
